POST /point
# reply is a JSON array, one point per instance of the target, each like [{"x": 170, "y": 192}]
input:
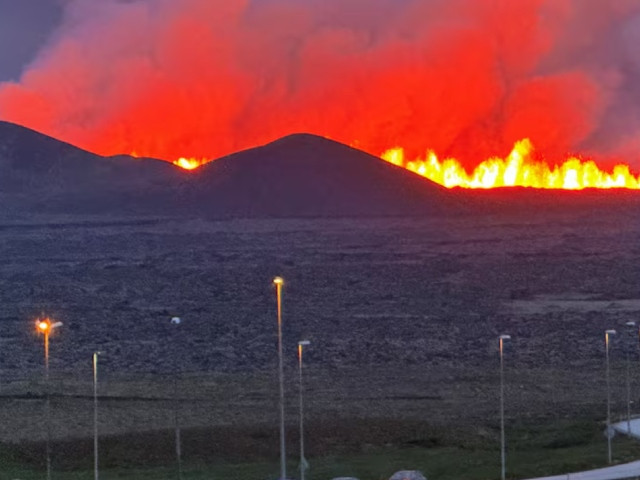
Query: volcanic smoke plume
[{"x": 464, "y": 78}]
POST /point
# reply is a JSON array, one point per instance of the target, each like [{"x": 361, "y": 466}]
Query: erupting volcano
[
  {"x": 517, "y": 170},
  {"x": 533, "y": 93}
]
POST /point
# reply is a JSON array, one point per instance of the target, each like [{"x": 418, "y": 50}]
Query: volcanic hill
[
  {"x": 304, "y": 175},
  {"x": 39, "y": 174},
  {"x": 299, "y": 175}
]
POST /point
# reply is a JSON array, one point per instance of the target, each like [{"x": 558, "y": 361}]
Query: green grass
[{"x": 533, "y": 450}]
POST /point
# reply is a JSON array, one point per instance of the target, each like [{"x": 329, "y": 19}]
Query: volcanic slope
[
  {"x": 305, "y": 175},
  {"x": 300, "y": 175},
  {"x": 39, "y": 174}
]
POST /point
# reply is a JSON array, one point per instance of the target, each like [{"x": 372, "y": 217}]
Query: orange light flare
[
  {"x": 43, "y": 325},
  {"x": 518, "y": 169}
]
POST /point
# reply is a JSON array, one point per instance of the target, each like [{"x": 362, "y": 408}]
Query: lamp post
[
  {"x": 303, "y": 461},
  {"x": 278, "y": 282},
  {"x": 632, "y": 331},
  {"x": 176, "y": 418},
  {"x": 607, "y": 335},
  {"x": 45, "y": 326},
  {"x": 501, "y": 340},
  {"x": 95, "y": 415}
]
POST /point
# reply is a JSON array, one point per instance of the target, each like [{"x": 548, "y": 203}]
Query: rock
[{"x": 408, "y": 475}]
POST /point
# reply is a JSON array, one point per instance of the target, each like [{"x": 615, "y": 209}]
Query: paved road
[
  {"x": 623, "y": 427},
  {"x": 626, "y": 470}
]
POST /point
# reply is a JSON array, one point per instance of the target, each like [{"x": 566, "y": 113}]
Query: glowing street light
[
  {"x": 176, "y": 418},
  {"x": 278, "y": 282},
  {"x": 95, "y": 415},
  {"x": 45, "y": 326},
  {"x": 304, "y": 465},
  {"x": 607, "y": 335},
  {"x": 501, "y": 340}
]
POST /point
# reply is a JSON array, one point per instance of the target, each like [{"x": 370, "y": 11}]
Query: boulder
[{"x": 408, "y": 475}]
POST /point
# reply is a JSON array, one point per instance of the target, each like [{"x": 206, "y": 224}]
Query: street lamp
[
  {"x": 278, "y": 282},
  {"x": 303, "y": 461},
  {"x": 632, "y": 330},
  {"x": 45, "y": 326},
  {"x": 176, "y": 419},
  {"x": 95, "y": 414},
  {"x": 607, "y": 340},
  {"x": 501, "y": 340}
]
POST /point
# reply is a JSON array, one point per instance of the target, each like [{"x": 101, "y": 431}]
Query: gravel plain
[{"x": 403, "y": 316}]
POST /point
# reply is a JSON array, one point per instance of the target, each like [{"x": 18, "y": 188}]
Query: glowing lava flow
[
  {"x": 182, "y": 162},
  {"x": 190, "y": 163},
  {"x": 517, "y": 170}
]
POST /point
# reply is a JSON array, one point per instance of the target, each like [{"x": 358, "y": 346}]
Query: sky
[
  {"x": 25, "y": 26},
  {"x": 204, "y": 78}
]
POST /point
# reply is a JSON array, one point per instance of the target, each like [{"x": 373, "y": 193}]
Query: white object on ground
[{"x": 408, "y": 475}]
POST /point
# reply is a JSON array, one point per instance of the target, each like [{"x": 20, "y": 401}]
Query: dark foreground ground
[{"x": 402, "y": 314}]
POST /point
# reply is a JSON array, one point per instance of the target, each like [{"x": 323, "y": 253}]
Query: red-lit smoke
[{"x": 204, "y": 78}]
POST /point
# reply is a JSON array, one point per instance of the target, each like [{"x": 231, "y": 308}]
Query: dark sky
[{"x": 24, "y": 27}]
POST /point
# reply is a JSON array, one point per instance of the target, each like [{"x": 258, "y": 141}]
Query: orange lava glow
[
  {"x": 203, "y": 79},
  {"x": 518, "y": 169},
  {"x": 190, "y": 163}
]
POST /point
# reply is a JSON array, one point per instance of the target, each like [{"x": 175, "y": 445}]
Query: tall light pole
[
  {"x": 501, "y": 340},
  {"x": 607, "y": 335},
  {"x": 632, "y": 337},
  {"x": 278, "y": 282},
  {"x": 45, "y": 326},
  {"x": 176, "y": 418},
  {"x": 95, "y": 415},
  {"x": 303, "y": 461}
]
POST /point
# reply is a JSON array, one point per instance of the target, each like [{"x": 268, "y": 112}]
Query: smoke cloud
[{"x": 466, "y": 78}]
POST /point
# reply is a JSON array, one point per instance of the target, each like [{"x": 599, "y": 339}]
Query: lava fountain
[{"x": 518, "y": 169}]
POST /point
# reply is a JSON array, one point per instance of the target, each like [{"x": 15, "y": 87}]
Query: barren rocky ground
[{"x": 403, "y": 316}]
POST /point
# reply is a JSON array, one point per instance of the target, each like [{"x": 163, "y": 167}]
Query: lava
[
  {"x": 190, "y": 163},
  {"x": 518, "y": 169},
  {"x": 199, "y": 79}
]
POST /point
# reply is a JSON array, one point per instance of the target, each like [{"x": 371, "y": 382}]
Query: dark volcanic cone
[
  {"x": 297, "y": 176},
  {"x": 39, "y": 174},
  {"x": 305, "y": 175}
]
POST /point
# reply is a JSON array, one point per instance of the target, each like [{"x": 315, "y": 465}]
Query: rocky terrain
[
  {"x": 403, "y": 314},
  {"x": 402, "y": 311}
]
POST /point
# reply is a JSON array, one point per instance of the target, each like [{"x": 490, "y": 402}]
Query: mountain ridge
[{"x": 299, "y": 175}]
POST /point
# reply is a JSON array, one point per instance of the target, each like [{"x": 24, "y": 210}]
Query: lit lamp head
[
  {"x": 45, "y": 326},
  {"x": 501, "y": 340},
  {"x": 278, "y": 281},
  {"x": 302, "y": 343}
]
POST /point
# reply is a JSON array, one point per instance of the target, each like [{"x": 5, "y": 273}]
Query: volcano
[
  {"x": 304, "y": 175},
  {"x": 40, "y": 174},
  {"x": 300, "y": 175}
]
